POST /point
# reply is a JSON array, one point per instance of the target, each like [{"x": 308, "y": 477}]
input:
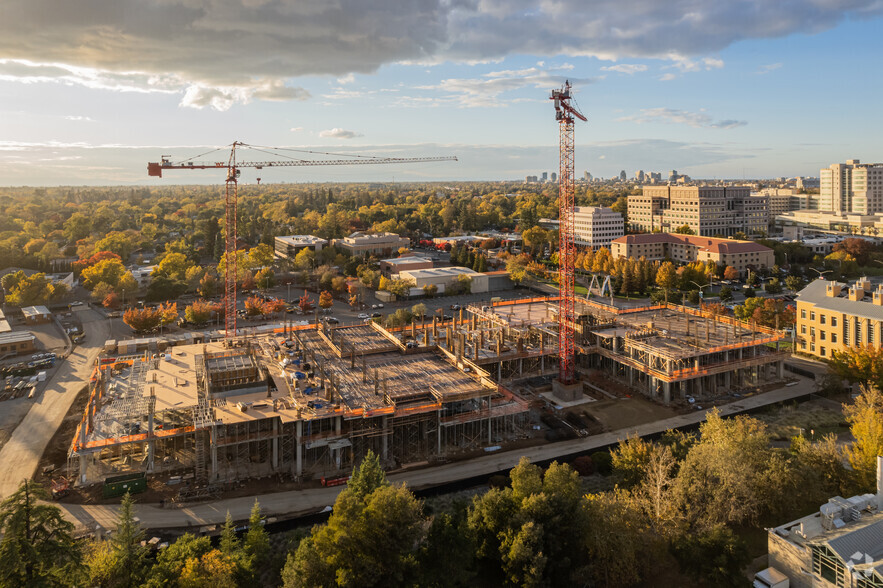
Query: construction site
[{"x": 309, "y": 402}]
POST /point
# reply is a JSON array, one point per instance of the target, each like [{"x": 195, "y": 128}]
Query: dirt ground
[
  {"x": 56, "y": 452},
  {"x": 628, "y": 412}
]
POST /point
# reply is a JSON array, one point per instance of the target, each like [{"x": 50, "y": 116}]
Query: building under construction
[
  {"x": 311, "y": 402},
  {"x": 308, "y": 402}
]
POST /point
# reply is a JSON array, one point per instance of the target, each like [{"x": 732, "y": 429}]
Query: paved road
[
  {"x": 86, "y": 517},
  {"x": 21, "y": 454}
]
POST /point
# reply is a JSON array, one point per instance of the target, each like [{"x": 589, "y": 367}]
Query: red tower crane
[
  {"x": 232, "y": 165},
  {"x": 565, "y": 114}
]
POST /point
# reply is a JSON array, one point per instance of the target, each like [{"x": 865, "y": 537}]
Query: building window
[
  {"x": 823, "y": 352},
  {"x": 833, "y": 321},
  {"x": 812, "y": 347},
  {"x": 812, "y": 316},
  {"x": 803, "y": 313},
  {"x": 858, "y": 332},
  {"x": 822, "y": 335},
  {"x": 803, "y": 329},
  {"x": 822, "y": 319},
  {"x": 827, "y": 565},
  {"x": 833, "y": 337},
  {"x": 870, "y": 333},
  {"x": 846, "y": 332},
  {"x": 812, "y": 331}
]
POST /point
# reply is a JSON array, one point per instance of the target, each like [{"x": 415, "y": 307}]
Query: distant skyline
[{"x": 713, "y": 88}]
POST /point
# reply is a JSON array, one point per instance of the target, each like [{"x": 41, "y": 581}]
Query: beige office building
[
  {"x": 372, "y": 243},
  {"x": 742, "y": 255},
  {"x": 708, "y": 210},
  {"x": 852, "y": 187}
]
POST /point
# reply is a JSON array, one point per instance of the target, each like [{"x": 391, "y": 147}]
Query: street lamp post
[
  {"x": 821, "y": 273},
  {"x": 700, "y": 290}
]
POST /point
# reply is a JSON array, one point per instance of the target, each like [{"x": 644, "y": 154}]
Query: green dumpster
[{"x": 119, "y": 485}]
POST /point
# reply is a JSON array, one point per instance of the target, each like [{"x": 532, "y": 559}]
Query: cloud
[
  {"x": 220, "y": 52},
  {"x": 336, "y": 133},
  {"x": 626, "y": 68},
  {"x": 347, "y": 79},
  {"x": 485, "y": 90},
  {"x": 667, "y": 77},
  {"x": 79, "y": 118},
  {"x": 670, "y": 115},
  {"x": 765, "y": 69},
  {"x": 296, "y": 129}
]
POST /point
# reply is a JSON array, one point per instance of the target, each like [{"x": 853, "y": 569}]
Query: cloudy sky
[{"x": 90, "y": 91}]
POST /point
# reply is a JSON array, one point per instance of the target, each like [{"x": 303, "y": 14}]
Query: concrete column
[
  {"x": 385, "y": 450},
  {"x": 213, "y": 440},
  {"x": 439, "y": 428},
  {"x": 275, "y": 444},
  {"x": 499, "y": 371},
  {"x": 780, "y": 369},
  {"x": 666, "y": 391},
  {"x": 83, "y": 458},
  {"x": 299, "y": 453}
]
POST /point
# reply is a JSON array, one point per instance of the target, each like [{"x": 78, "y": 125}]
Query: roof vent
[{"x": 833, "y": 289}]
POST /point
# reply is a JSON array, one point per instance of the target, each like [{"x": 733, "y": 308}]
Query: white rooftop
[
  {"x": 302, "y": 240},
  {"x": 440, "y": 272},
  {"x": 30, "y": 311}
]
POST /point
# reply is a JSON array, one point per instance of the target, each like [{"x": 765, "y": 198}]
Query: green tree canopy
[{"x": 37, "y": 548}]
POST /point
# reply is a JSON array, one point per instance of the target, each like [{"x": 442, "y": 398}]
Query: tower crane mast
[
  {"x": 233, "y": 166},
  {"x": 565, "y": 114}
]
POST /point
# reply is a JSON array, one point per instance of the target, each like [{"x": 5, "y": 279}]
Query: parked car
[
  {"x": 331, "y": 320},
  {"x": 363, "y": 315},
  {"x": 455, "y": 307},
  {"x": 376, "y": 315}
]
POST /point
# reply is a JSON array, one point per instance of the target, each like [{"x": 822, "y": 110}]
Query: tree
[
  {"x": 794, "y": 283},
  {"x": 123, "y": 561},
  {"x": 212, "y": 570},
  {"x": 446, "y": 556},
  {"x": 731, "y": 273},
  {"x": 29, "y": 291},
  {"x": 862, "y": 364},
  {"x": 419, "y": 310},
  {"x": 200, "y": 312},
  {"x": 727, "y": 476},
  {"x": 630, "y": 460},
  {"x": 109, "y": 271},
  {"x": 325, "y": 300},
  {"x": 716, "y": 556},
  {"x": 254, "y": 306},
  {"x": 667, "y": 277},
  {"x": 174, "y": 266},
  {"x": 370, "y": 539},
  {"x": 865, "y": 417},
  {"x": 111, "y": 300},
  {"x": 430, "y": 290},
  {"x": 305, "y": 259},
  {"x": 685, "y": 230},
  {"x": 170, "y": 562},
  {"x": 616, "y": 543},
  {"x": 144, "y": 320},
  {"x": 533, "y": 531},
  {"x": 256, "y": 543},
  {"x": 207, "y": 285},
  {"x": 117, "y": 242},
  {"x": 37, "y": 546},
  {"x": 305, "y": 303},
  {"x": 726, "y": 294},
  {"x": 261, "y": 255}
]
